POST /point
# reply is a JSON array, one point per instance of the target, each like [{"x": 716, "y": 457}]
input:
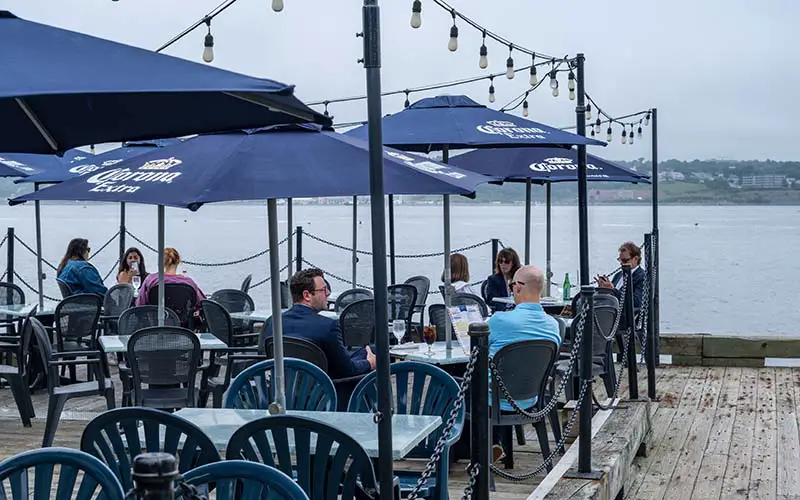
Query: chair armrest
[
  {"x": 349, "y": 379},
  {"x": 73, "y": 362},
  {"x": 106, "y": 318},
  {"x": 87, "y": 354}
]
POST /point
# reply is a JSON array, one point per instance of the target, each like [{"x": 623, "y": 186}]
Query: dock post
[
  {"x": 299, "y": 248},
  {"x": 495, "y": 251},
  {"x": 10, "y": 255},
  {"x": 633, "y": 382},
  {"x": 479, "y": 423},
  {"x": 585, "y": 422},
  {"x": 652, "y": 351}
]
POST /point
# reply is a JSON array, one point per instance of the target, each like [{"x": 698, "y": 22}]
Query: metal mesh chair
[
  {"x": 179, "y": 297},
  {"x": 357, "y": 323},
  {"x": 246, "y": 283},
  {"x": 467, "y": 299},
  {"x": 349, "y": 296},
  {"x": 286, "y": 295},
  {"x": 10, "y": 295},
  {"x": 436, "y": 317},
  {"x": 402, "y": 300},
  {"x": 14, "y": 364},
  {"x": 235, "y": 301},
  {"x": 166, "y": 359},
  {"x": 294, "y": 347},
  {"x": 64, "y": 288},
  {"x": 76, "y": 324},
  {"x": 118, "y": 298},
  {"x": 423, "y": 286}
]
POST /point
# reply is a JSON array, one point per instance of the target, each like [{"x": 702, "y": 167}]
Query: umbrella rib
[
  {"x": 37, "y": 123},
  {"x": 272, "y": 106}
]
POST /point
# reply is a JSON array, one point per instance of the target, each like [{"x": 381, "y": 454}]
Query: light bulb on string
[
  {"x": 452, "y": 45},
  {"x": 624, "y": 136},
  {"x": 407, "y": 103},
  {"x": 571, "y": 95},
  {"x": 647, "y": 119},
  {"x": 555, "y": 90},
  {"x": 483, "y": 61},
  {"x": 597, "y": 125},
  {"x": 639, "y": 130},
  {"x": 553, "y": 80},
  {"x": 277, "y": 5},
  {"x": 571, "y": 81},
  {"x": 510, "y": 64},
  {"x": 609, "y": 134},
  {"x": 630, "y": 138},
  {"x": 208, "y": 44},
  {"x": 591, "y": 131},
  {"x": 416, "y": 14},
  {"x": 525, "y": 111},
  {"x": 534, "y": 79},
  {"x": 326, "y": 109},
  {"x": 589, "y": 112},
  {"x": 491, "y": 90}
]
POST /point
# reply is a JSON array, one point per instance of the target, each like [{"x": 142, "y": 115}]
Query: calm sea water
[{"x": 724, "y": 269}]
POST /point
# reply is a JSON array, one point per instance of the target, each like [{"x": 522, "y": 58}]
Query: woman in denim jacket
[{"x": 78, "y": 274}]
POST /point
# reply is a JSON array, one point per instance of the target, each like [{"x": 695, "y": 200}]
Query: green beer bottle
[{"x": 566, "y": 294}]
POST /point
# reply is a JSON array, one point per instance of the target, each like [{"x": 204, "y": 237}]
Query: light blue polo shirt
[{"x": 527, "y": 321}]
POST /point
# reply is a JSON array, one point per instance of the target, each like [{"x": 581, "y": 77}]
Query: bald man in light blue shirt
[{"x": 527, "y": 321}]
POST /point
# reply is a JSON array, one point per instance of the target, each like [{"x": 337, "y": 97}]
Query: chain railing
[
  {"x": 114, "y": 267},
  {"x": 34, "y": 290},
  {"x": 3, "y": 242},
  {"x": 32, "y": 251},
  {"x": 103, "y": 247},
  {"x": 398, "y": 256},
  {"x": 446, "y": 431},
  {"x": 337, "y": 277},
  {"x": 213, "y": 264},
  {"x": 265, "y": 280}
]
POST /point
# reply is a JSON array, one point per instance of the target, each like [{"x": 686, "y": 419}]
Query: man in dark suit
[
  {"x": 310, "y": 296},
  {"x": 630, "y": 255}
]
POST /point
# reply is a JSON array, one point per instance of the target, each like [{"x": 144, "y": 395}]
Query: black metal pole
[
  {"x": 479, "y": 410},
  {"x": 122, "y": 231},
  {"x": 585, "y": 447},
  {"x": 656, "y": 311},
  {"x": 299, "y": 247},
  {"x": 392, "y": 269},
  {"x": 548, "y": 244},
  {"x": 154, "y": 476},
  {"x": 372, "y": 64},
  {"x": 10, "y": 255},
  {"x": 633, "y": 382},
  {"x": 650, "y": 332},
  {"x": 495, "y": 251}
]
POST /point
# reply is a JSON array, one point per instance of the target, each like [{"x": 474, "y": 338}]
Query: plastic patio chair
[
  {"x": 118, "y": 298},
  {"x": 76, "y": 325},
  {"x": 349, "y": 296},
  {"x": 179, "y": 297},
  {"x": 117, "y": 436},
  {"x": 239, "y": 479},
  {"x": 307, "y": 387}
]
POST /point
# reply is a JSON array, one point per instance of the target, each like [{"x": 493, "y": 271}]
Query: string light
[
  {"x": 326, "y": 110},
  {"x": 208, "y": 44},
  {"x": 624, "y": 135},
  {"x": 483, "y": 61},
  {"x": 534, "y": 79},
  {"x": 589, "y": 112},
  {"x": 452, "y": 45},
  {"x": 630, "y": 139},
  {"x": 639, "y": 130},
  {"x": 491, "y": 90},
  {"x": 525, "y": 106},
  {"x": 416, "y": 14},
  {"x": 647, "y": 119},
  {"x": 554, "y": 82},
  {"x": 277, "y": 5},
  {"x": 571, "y": 85},
  {"x": 591, "y": 131},
  {"x": 510, "y": 64},
  {"x": 609, "y": 133},
  {"x": 597, "y": 125},
  {"x": 406, "y": 104}
]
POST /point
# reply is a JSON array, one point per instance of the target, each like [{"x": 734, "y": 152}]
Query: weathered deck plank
[
  {"x": 786, "y": 383},
  {"x": 763, "y": 473},
  {"x": 736, "y": 482}
]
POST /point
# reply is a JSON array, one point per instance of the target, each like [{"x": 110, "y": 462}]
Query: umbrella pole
[
  {"x": 656, "y": 310},
  {"x": 392, "y": 268},
  {"x": 161, "y": 265},
  {"x": 122, "y": 231},
  {"x": 277, "y": 320},
  {"x": 527, "y": 221},
  {"x": 548, "y": 253},
  {"x": 39, "y": 280},
  {"x": 383, "y": 416},
  {"x": 355, "y": 239},
  {"x": 447, "y": 278},
  {"x": 289, "y": 240}
]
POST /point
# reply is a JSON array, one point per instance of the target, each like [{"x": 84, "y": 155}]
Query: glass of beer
[{"x": 429, "y": 334}]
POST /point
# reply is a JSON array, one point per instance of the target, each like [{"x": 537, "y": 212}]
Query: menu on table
[{"x": 461, "y": 317}]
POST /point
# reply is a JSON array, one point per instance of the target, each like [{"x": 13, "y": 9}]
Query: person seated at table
[
  {"x": 527, "y": 321},
  {"x": 171, "y": 261},
  {"x": 630, "y": 255},
  {"x": 127, "y": 269},
  {"x": 310, "y": 296},
  {"x": 497, "y": 285},
  {"x": 459, "y": 274},
  {"x": 75, "y": 270}
]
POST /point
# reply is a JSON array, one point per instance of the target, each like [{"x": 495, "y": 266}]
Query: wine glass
[
  {"x": 399, "y": 330},
  {"x": 429, "y": 334}
]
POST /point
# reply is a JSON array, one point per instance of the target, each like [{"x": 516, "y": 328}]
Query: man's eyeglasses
[
  {"x": 514, "y": 283},
  {"x": 324, "y": 290},
  {"x": 624, "y": 261}
]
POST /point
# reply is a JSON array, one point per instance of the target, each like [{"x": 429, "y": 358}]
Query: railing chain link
[
  {"x": 397, "y": 256},
  {"x": 265, "y": 280},
  {"x": 32, "y": 251},
  {"x": 31, "y": 288},
  {"x": 337, "y": 277},
  {"x": 104, "y": 246},
  {"x": 473, "y": 471}
]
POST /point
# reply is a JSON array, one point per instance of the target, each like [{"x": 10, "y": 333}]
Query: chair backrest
[
  {"x": 238, "y": 479},
  {"x": 164, "y": 355},
  {"x": 10, "y": 294},
  {"x": 606, "y": 307},
  {"x": 246, "y": 283},
  {"x": 218, "y": 320},
  {"x": 34, "y": 331},
  {"x": 349, "y": 296},
  {"x": 294, "y": 347},
  {"x": 402, "y": 299},
  {"x": 179, "y": 297},
  {"x": 136, "y": 318},
  {"x": 307, "y": 387},
  {"x": 81, "y": 477},
  {"x": 233, "y": 300},
  {"x": 118, "y": 298},
  {"x": 286, "y": 295},
  {"x": 64, "y": 288},
  {"x": 335, "y": 467},
  {"x": 485, "y": 290},
  {"x": 357, "y": 323},
  {"x": 423, "y": 286},
  {"x": 524, "y": 367},
  {"x": 467, "y": 299},
  {"x": 417, "y": 389},
  {"x": 117, "y": 436},
  {"x": 436, "y": 317},
  {"x": 76, "y": 319}
]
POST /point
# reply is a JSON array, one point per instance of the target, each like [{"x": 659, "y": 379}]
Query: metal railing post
[
  {"x": 154, "y": 476},
  {"x": 299, "y": 246},
  {"x": 479, "y": 409},
  {"x": 652, "y": 352},
  {"x": 585, "y": 422},
  {"x": 10, "y": 255},
  {"x": 633, "y": 382},
  {"x": 495, "y": 251}
]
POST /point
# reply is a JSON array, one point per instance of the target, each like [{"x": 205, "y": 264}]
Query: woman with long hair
[
  {"x": 459, "y": 274},
  {"x": 132, "y": 264},
  {"x": 497, "y": 285},
  {"x": 171, "y": 261},
  {"x": 75, "y": 270}
]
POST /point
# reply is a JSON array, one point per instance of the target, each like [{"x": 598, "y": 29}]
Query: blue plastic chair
[
  {"x": 241, "y": 480},
  {"x": 432, "y": 392},
  {"x": 323, "y": 473},
  {"x": 114, "y": 437},
  {"x": 96, "y": 480},
  {"x": 307, "y": 387}
]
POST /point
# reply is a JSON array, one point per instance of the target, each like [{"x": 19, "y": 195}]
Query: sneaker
[{"x": 497, "y": 453}]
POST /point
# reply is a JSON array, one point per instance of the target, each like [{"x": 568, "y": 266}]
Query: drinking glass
[
  {"x": 399, "y": 330},
  {"x": 429, "y": 334}
]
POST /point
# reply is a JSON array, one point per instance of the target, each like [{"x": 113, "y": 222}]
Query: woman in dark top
[
  {"x": 132, "y": 264},
  {"x": 505, "y": 265}
]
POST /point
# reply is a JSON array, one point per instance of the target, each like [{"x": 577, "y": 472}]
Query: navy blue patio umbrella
[
  {"x": 543, "y": 166},
  {"x": 61, "y": 89},
  {"x": 443, "y": 123},
  {"x": 268, "y": 163}
]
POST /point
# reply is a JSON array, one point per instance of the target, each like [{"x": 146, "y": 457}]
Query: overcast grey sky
[{"x": 721, "y": 72}]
